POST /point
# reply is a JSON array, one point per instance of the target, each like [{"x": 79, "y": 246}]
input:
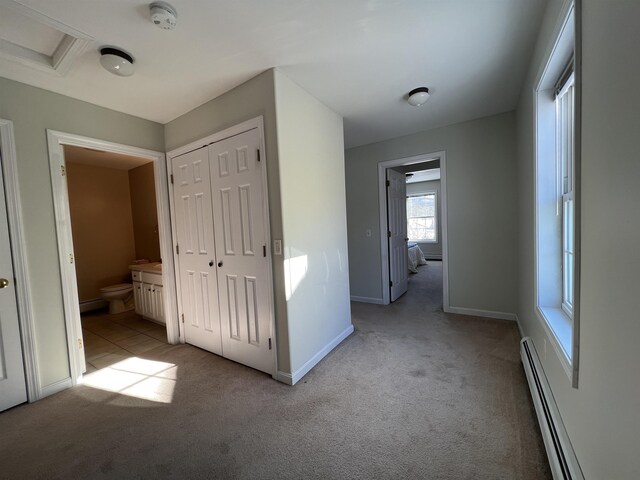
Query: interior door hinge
[
  {"x": 389, "y": 233},
  {"x": 182, "y": 316},
  {"x": 388, "y": 183},
  {"x": 264, "y": 250},
  {"x": 258, "y": 154},
  {"x": 177, "y": 249},
  {"x": 390, "y": 283},
  {"x": 71, "y": 258},
  {"x": 63, "y": 170},
  {"x": 269, "y": 344},
  {"x": 171, "y": 177}
]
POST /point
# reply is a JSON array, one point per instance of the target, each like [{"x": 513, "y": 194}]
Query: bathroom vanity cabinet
[{"x": 147, "y": 294}]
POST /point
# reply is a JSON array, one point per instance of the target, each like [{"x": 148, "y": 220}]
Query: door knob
[
  {"x": 4, "y": 283},
  {"x": 211, "y": 263},
  {"x": 220, "y": 263}
]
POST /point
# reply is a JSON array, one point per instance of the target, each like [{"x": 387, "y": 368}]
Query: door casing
[
  {"x": 56, "y": 142},
  {"x": 20, "y": 260},
  {"x": 382, "y": 209},
  {"x": 13, "y": 383}
]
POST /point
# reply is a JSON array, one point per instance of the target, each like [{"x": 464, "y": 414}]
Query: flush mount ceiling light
[
  {"x": 418, "y": 96},
  {"x": 116, "y": 61},
  {"x": 163, "y": 15}
]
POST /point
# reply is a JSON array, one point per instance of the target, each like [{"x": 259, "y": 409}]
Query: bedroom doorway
[{"x": 415, "y": 232}]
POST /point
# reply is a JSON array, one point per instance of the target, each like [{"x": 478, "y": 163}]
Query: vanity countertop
[{"x": 154, "y": 267}]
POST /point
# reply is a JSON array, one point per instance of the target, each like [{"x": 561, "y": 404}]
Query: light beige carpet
[{"x": 413, "y": 393}]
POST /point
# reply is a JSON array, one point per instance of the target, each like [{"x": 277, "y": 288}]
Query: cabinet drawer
[
  {"x": 136, "y": 276},
  {"x": 154, "y": 278}
]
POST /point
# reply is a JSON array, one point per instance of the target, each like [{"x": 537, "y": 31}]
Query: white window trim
[
  {"x": 435, "y": 215},
  {"x": 558, "y": 326},
  {"x": 565, "y": 305}
]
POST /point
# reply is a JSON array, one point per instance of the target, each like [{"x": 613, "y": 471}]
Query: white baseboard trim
[
  {"x": 377, "y": 301},
  {"x": 88, "y": 305},
  {"x": 284, "y": 377},
  {"x": 56, "y": 387},
  {"x": 482, "y": 313},
  {"x": 560, "y": 453},
  {"x": 293, "y": 378}
]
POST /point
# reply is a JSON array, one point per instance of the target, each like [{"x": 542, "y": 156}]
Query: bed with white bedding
[{"x": 416, "y": 257}]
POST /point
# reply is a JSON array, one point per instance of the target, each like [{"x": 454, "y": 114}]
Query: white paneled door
[
  {"x": 397, "y": 225},
  {"x": 241, "y": 242},
  {"x": 222, "y": 240},
  {"x": 197, "y": 270},
  {"x": 13, "y": 390}
]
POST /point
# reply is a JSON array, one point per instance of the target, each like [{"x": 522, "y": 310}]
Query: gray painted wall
[
  {"x": 251, "y": 99},
  {"x": 311, "y": 155},
  {"x": 302, "y": 330},
  {"x": 430, "y": 250},
  {"x": 32, "y": 111},
  {"x": 481, "y": 210},
  {"x": 601, "y": 416}
]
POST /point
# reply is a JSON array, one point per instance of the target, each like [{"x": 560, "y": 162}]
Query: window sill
[{"x": 559, "y": 329}]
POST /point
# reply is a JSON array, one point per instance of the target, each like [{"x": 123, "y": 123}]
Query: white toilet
[{"x": 120, "y": 297}]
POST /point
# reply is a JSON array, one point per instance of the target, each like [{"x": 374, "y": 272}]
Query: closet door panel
[
  {"x": 197, "y": 270},
  {"x": 240, "y": 239}
]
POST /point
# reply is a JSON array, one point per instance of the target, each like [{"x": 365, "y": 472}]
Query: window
[
  {"x": 565, "y": 159},
  {"x": 421, "y": 218},
  {"x": 557, "y": 197}
]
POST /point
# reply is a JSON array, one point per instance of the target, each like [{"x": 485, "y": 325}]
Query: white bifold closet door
[
  {"x": 241, "y": 250},
  {"x": 222, "y": 221}
]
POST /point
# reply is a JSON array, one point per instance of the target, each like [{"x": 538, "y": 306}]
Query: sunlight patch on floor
[{"x": 137, "y": 377}]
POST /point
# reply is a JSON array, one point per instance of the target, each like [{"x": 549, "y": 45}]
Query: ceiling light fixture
[
  {"x": 163, "y": 15},
  {"x": 418, "y": 96},
  {"x": 116, "y": 61}
]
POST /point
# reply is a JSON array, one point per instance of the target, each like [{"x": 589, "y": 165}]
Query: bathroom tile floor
[{"x": 109, "y": 339}]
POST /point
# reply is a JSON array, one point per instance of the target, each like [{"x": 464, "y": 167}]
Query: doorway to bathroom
[
  {"x": 114, "y": 240},
  {"x": 114, "y": 223}
]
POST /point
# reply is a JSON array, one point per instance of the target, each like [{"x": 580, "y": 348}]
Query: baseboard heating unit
[{"x": 562, "y": 459}]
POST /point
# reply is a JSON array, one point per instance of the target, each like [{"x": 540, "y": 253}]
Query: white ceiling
[{"x": 360, "y": 57}]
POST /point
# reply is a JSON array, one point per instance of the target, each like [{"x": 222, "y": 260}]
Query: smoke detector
[{"x": 163, "y": 15}]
